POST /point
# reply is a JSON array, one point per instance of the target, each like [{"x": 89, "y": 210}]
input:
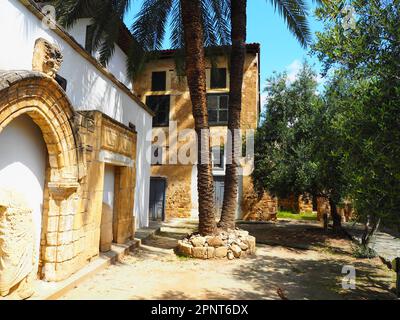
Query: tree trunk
[
  {"x": 238, "y": 54},
  {"x": 371, "y": 227},
  {"x": 196, "y": 78},
  {"x": 337, "y": 219}
]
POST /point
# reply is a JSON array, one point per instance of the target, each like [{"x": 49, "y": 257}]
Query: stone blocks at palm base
[{"x": 226, "y": 245}]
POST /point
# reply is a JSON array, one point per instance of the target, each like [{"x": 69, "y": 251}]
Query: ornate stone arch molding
[{"x": 40, "y": 97}]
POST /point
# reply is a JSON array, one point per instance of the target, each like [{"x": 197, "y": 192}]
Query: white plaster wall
[
  {"x": 87, "y": 88},
  {"x": 109, "y": 185},
  {"x": 117, "y": 63},
  {"x": 23, "y": 161}
]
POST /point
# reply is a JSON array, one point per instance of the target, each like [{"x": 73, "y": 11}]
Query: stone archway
[{"x": 39, "y": 96}]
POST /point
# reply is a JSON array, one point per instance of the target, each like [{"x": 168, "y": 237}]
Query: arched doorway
[
  {"x": 23, "y": 164},
  {"x": 36, "y": 111}
]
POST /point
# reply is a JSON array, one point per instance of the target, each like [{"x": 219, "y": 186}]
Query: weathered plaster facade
[{"x": 181, "y": 179}]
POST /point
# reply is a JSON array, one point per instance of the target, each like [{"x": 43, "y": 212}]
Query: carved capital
[{"x": 62, "y": 190}]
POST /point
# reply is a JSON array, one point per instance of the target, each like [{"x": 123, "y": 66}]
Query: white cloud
[{"x": 293, "y": 70}]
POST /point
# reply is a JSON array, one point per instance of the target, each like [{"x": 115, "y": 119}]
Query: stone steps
[{"x": 54, "y": 290}]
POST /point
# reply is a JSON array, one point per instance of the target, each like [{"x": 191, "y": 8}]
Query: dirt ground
[{"x": 294, "y": 256}]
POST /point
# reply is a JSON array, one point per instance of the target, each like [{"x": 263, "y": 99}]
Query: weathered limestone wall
[
  {"x": 345, "y": 209},
  {"x": 181, "y": 198},
  {"x": 78, "y": 146},
  {"x": 73, "y": 235},
  {"x": 302, "y": 203},
  {"x": 257, "y": 207},
  {"x": 178, "y": 202}
]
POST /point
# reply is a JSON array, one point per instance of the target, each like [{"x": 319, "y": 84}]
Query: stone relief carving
[
  {"x": 47, "y": 58},
  {"x": 17, "y": 246}
]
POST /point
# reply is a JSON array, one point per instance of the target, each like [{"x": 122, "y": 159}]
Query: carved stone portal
[
  {"x": 17, "y": 246},
  {"x": 47, "y": 58},
  {"x": 106, "y": 228}
]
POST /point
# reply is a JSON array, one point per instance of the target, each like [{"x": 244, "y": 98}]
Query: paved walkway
[
  {"x": 386, "y": 245},
  {"x": 307, "y": 266}
]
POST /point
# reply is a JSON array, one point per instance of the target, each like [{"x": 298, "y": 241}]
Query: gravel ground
[{"x": 294, "y": 256}]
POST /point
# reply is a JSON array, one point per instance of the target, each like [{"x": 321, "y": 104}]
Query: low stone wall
[
  {"x": 345, "y": 210},
  {"x": 255, "y": 206},
  {"x": 302, "y": 203},
  {"x": 226, "y": 245}
]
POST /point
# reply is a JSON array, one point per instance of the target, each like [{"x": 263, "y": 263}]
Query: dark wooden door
[
  {"x": 219, "y": 194},
  {"x": 157, "y": 199}
]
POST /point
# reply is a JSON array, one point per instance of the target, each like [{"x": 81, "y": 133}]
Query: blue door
[
  {"x": 157, "y": 199},
  {"x": 219, "y": 183}
]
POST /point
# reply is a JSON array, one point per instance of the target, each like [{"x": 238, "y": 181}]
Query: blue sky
[{"x": 280, "y": 51}]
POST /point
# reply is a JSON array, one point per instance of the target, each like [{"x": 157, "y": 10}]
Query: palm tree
[
  {"x": 294, "y": 13},
  {"x": 195, "y": 24}
]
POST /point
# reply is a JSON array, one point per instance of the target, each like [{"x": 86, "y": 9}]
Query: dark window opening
[
  {"x": 218, "y": 78},
  {"x": 159, "y": 81},
  {"x": 62, "y": 82},
  {"x": 160, "y": 106},
  {"x": 217, "y": 105},
  {"x": 89, "y": 38}
]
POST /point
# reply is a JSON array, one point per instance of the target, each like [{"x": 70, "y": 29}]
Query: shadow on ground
[{"x": 298, "y": 258}]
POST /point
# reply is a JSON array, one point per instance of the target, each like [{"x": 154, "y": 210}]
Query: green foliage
[
  {"x": 295, "y": 12},
  {"x": 365, "y": 95},
  {"x": 107, "y": 18},
  {"x": 363, "y": 252},
  {"x": 149, "y": 28},
  {"x": 297, "y": 216},
  {"x": 346, "y": 142},
  {"x": 151, "y": 23},
  {"x": 284, "y": 145}
]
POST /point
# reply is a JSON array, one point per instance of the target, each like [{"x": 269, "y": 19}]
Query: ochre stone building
[{"x": 173, "y": 188}]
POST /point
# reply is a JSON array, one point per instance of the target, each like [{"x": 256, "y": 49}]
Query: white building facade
[{"x": 89, "y": 85}]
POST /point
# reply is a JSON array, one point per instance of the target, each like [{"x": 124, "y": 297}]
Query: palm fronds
[{"x": 295, "y": 13}]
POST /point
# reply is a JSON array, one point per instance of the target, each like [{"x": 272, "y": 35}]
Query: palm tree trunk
[
  {"x": 238, "y": 54},
  {"x": 196, "y": 77}
]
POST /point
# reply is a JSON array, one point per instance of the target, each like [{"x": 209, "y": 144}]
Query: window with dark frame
[
  {"x": 218, "y": 78},
  {"x": 217, "y": 105},
  {"x": 159, "y": 81},
  {"x": 160, "y": 106}
]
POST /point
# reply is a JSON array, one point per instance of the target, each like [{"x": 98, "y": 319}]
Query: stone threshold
[{"x": 54, "y": 290}]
